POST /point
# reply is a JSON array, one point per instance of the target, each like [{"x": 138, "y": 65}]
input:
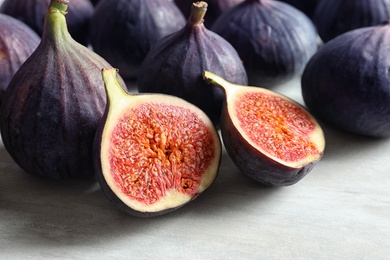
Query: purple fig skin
[
  {"x": 124, "y": 31},
  {"x": 273, "y": 39},
  {"x": 32, "y": 12},
  {"x": 346, "y": 83},
  {"x": 335, "y": 17},
  {"x": 175, "y": 64},
  {"x": 253, "y": 163},
  {"x": 17, "y": 43}
]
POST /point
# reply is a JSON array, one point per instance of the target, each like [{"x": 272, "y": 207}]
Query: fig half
[
  {"x": 153, "y": 153},
  {"x": 271, "y": 138}
]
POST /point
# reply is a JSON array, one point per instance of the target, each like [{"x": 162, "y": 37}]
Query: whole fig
[
  {"x": 174, "y": 65},
  {"x": 347, "y": 84},
  {"x": 334, "y": 17},
  {"x": 274, "y": 39},
  {"x": 17, "y": 42},
  {"x": 52, "y": 106},
  {"x": 123, "y": 31},
  {"x": 32, "y": 12}
]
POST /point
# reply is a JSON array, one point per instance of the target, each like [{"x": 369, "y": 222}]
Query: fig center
[
  {"x": 280, "y": 127},
  {"x": 158, "y": 148}
]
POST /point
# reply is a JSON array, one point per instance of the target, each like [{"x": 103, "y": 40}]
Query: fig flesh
[
  {"x": 174, "y": 65},
  {"x": 270, "y": 138},
  {"x": 33, "y": 12},
  {"x": 17, "y": 43},
  {"x": 51, "y": 108},
  {"x": 123, "y": 31},
  {"x": 273, "y": 39},
  {"x": 154, "y": 153},
  {"x": 346, "y": 83}
]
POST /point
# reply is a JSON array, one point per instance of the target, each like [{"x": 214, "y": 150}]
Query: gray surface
[{"x": 341, "y": 210}]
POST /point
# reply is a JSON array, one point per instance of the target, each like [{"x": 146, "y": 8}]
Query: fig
[
  {"x": 17, "y": 43},
  {"x": 274, "y": 39},
  {"x": 33, "y": 12},
  {"x": 334, "y": 17},
  {"x": 346, "y": 83},
  {"x": 174, "y": 65},
  {"x": 271, "y": 138},
  {"x": 51, "y": 108},
  {"x": 153, "y": 153},
  {"x": 215, "y": 8},
  {"x": 123, "y": 31}
]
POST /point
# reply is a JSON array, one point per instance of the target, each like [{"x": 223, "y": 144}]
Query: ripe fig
[
  {"x": 52, "y": 106},
  {"x": 33, "y": 12},
  {"x": 335, "y": 17},
  {"x": 346, "y": 83},
  {"x": 270, "y": 138},
  {"x": 17, "y": 42},
  {"x": 274, "y": 39},
  {"x": 123, "y": 31},
  {"x": 215, "y": 8},
  {"x": 153, "y": 153},
  {"x": 174, "y": 65}
]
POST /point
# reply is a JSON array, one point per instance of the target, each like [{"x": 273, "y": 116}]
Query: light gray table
[{"x": 341, "y": 210}]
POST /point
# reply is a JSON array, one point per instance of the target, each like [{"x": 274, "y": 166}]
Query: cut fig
[
  {"x": 153, "y": 152},
  {"x": 269, "y": 137}
]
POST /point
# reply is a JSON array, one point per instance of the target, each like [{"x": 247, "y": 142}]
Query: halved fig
[
  {"x": 153, "y": 152},
  {"x": 270, "y": 137}
]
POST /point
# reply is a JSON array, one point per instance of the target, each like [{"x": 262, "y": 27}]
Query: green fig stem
[
  {"x": 198, "y": 11},
  {"x": 60, "y": 5},
  {"x": 112, "y": 84},
  {"x": 55, "y": 27},
  {"x": 216, "y": 80}
]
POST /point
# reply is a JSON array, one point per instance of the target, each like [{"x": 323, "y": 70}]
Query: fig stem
[
  {"x": 113, "y": 86},
  {"x": 198, "y": 11},
  {"x": 216, "y": 80},
  {"x": 60, "y": 5}
]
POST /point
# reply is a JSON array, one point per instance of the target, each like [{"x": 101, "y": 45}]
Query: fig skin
[
  {"x": 335, "y": 17},
  {"x": 52, "y": 106},
  {"x": 118, "y": 102},
  {"x": 308, "y": 7},
  {"x": 174, "y": 65},
  {"x": 17, "y": 43},
  {"x": 346, "y": 83},
  {"x": 254, "y": 163},
  {"x": 215, "y": 8},
  {"x": 32, "y": 12},
  {"x": 123, "y": 31},
  {"x": 273, "y": 39}
]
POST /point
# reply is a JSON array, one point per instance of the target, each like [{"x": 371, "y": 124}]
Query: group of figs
[{"x": 204, "y": 73}]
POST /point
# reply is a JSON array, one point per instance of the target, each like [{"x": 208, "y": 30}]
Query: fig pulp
[
  {"x": 174, "y": 65},
  {"x": 33, "y": 12},
  {"x": 271, "y": 138},
  {"x": 153, "y": 153},
  {"x": 124, "y": 31},
  {"x": 273, "y": 39},
  {"x": 347, "y": 84},
  {"x": 51, "y": 108},
  {"x": 17, "y": 43}
]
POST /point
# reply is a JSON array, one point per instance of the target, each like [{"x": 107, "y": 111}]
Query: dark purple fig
[
  {"x": 274, "y": 39},
  {"x": 306, "y": 6},
  {"x": 123, "y": 31},
  {"x": 269, "y": 137},
  {"x": 52, "y": 106},
  {"x": 347, "y": 83},
  {"x": 174, "y": 65},
  {"x": 17, "y": 42},
  {"x": 334, "y": 17},
  {"x": 32, "y": 12},
  {"x": 153, "y": 153},
  {"x": 215, "y": 8}
]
